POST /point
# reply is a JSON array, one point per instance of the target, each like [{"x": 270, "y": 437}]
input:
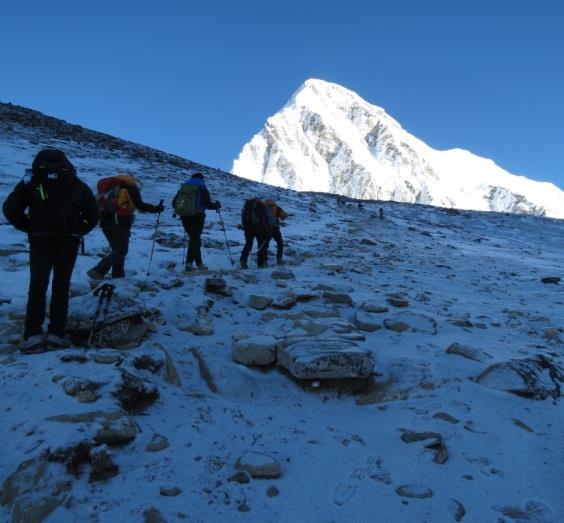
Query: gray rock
[
  {"x": 374, "y": 306},
  {"x": 257, "y": 350},
  {"x": 259, "y": 302},
  {"x": 412, "y": 322},
  {"x": 152, "y": 515},
  {"x": 397, "y": 301},
  {"x": 282, "y": 274},
  {"x": 536, "y": 378},
  {"x": 323, "y": 358},
  {"x": 170, "y": 491},
  {"x": 102, "y": 465},
  {"x": 217, "y": 286},
  {"x": 285, "y": 300},
  {"x": 113, "y": 431},
  {"x": 311, "y": 328},
  {"x": 367, "y": 321},
  {"x": 107, "y": 357},
  {"x": 470, "y": 353},
  {"x": 414, "y": 491},
  {"x": 157, "y": 443},
  {"x": 340, "y": 298},
  {"x": 259, "y": 465},
  {"x": 551, "y": 279},
  {"x": 240, "y": 477}
]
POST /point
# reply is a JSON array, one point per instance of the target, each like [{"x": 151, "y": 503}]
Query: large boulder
[
  {"x": 257, "y": 350},
  {"x": 324, "y": 358},
  {"x": 535, "y": 378},
  {"x": 125, "y": 324}
]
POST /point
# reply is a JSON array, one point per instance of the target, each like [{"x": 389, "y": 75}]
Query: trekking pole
[
  {"x": 82, "y": 248},
  {"x": 103, "y": 292},
  {"x": 155, "y": 234},
  {"x": 184, "y": 251},
  {"x": 225, "y": 234}
]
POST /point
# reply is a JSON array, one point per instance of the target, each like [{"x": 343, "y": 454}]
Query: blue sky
[{"x": 199, "y": 78}]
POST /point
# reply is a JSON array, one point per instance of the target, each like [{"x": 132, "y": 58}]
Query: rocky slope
[
  {"x": 327, "y": 138},
  {"x": 400, "y": 369}
]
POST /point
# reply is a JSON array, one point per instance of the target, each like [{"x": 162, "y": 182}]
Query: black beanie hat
[{"x": 198, "y": 175}]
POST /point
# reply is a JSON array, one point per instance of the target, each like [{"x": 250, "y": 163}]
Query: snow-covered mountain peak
[{"x": 328, "y": 139}]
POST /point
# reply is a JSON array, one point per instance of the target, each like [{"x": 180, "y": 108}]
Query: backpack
[
  {"x": 113, "y": 198},
  {"x": 54, "y": 207},
  {"x": 254, "y": 213},
  {"x": 188, "y": 201}
]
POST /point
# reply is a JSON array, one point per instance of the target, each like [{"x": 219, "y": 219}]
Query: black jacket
[{"x": 37, "y": 210}]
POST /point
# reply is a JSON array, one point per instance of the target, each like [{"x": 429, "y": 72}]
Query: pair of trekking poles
[
  {"x": 184, "y": 249},
  {"x": 104, "y": 294}
]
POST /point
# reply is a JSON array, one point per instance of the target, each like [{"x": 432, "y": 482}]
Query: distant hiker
[
  {"x": 118, "y": 197},
  {"x": 360, "y": 206},
  {"x": 254, "y": 222},
  {"x": 61, "y": 209},
  {"x": 190, "y": 203},
  {"x": 274, "y": 214},
  {"x": 381, "y": 213}
]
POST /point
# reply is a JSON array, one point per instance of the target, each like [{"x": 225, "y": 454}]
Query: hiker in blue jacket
[{"x": 190, "y": 203}]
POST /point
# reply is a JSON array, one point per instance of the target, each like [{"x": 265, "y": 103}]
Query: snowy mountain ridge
[
  {"x": 169, "y": 416},
  {"x": 328, "y": 139}
]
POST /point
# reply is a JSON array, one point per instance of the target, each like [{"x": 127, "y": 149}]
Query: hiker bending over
[
  {"x": 61, "y": 209},
  {"x": 118, "y": 197},
  {"x": 254, "y": 221},
  {"x": 274, "y": 215},
  {"x": 190, "y": 203}
]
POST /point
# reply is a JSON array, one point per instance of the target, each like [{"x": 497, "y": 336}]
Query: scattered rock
[
  {"x": 157, "y": 443},
  {"x": 551, "y": 279},
  {"x": 414, "y": 491},
  {"x": 522, "y": 425},
  {"x": 396, "y": 300},
  {"x": 470, "y": 353},
  {"x": 134, "y": 394},
  {"x": 107, "y": 357},
  {"x": 259, "y": 302},
  {"x": 240, "y": 477},
  {"x": 339, "y": 298},
  {"x": 113, "y": 431},
  {"x": 259, "y": 465},
  {"x": 102, "y": 465},
  {"x": 257, "y": 350},
  {"x": 152, "y": 515},
  {"x": 217, "y": 286},
  {"x": 272, "y": 492},
  {"x": 285, "y": 300},
  {"x": 412, "y": 322},
  {"x": 536, "y": 378},
  {"x": 374, "y": 306},
  {"x": 282, "y": 274},
  {"x": 170, "y": 491},
  {"x": 367, "y": 321},
  {"x": 458, "y": 510},
  {"x": 323, "y": 358},
  {"x": 446, "y": 417}
]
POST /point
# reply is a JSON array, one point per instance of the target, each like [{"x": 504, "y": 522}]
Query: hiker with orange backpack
[{"x": 118, "y": 198}]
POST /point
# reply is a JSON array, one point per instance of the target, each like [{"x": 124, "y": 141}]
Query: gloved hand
[
  {"x": 159, "y": 208},
  {"x": 217, "y": 205}
]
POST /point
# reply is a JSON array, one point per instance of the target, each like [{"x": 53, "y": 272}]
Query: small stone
[
  {"x": 170, "y": 491},
  {"x": 551, "y": 279},
  {"x": 243, "y": 507},
  {"x": 240, "y": 477},
  {"x": 157, "y": 443},
  {"x": 398, "y": 302},
  {"x": 446, "y": 417},
  {"x": 259, "y": 465},
  {"x": 272, "y": 492},
  {"x": 259, "y": 302},
  {"x": 414, "y": 491},
  {"x": 340, "y": 298}
]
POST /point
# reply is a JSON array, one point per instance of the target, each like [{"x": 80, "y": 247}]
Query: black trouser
[
  {"x": 194, "y": 226},
  {"x": 262, "y": 238},
  {"x": 117, "y": 235},
  {"x": 277, "y": 237},
  {"x": 46, "y": 253}
]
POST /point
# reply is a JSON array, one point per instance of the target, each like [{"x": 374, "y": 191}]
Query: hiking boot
[
  {"x": 280, "y": 261},
  {"x": 33, "y": 345},
  {"x": 94, "y": 274},
  {"x": 189, "y": 267},
  {"x": 244, "y": 265},
  {"x": 57, "y": 342},
  {"x": 202, "y": 267}
]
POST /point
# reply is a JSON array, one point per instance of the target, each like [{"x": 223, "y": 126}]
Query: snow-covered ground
[{"x": 419, "y": 440}]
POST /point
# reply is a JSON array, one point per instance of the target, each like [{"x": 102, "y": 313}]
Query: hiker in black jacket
[
  {"x": 118, "y": 198},
  {"x": 190, "y": 203},
  {"x": 61, "y": 209},
  {"x": 255, "y": 225}
]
